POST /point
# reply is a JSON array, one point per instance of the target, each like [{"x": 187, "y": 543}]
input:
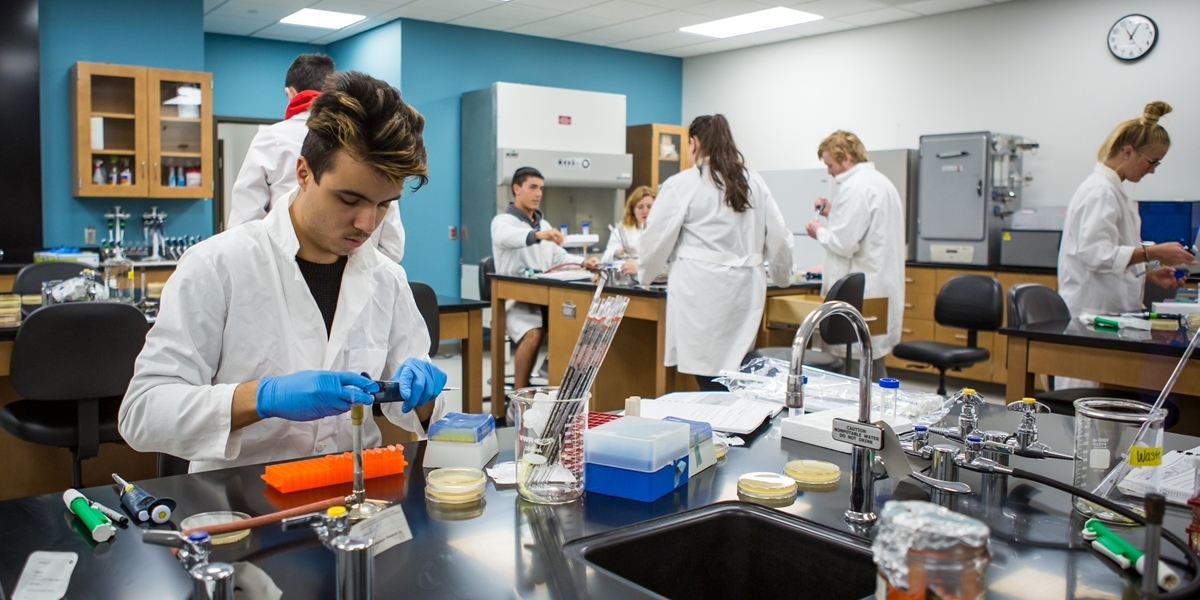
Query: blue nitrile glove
[
  {"x": 311, "y": 395},
  {"x": 420, "y": 382}
]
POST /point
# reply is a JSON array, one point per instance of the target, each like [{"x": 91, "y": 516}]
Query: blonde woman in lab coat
[
  {"x": 719, "y": 222},
  {"x": 623, "y": 242},
  {"x": 864, "y": 233},
  {"x": 1102, "y": 261}
]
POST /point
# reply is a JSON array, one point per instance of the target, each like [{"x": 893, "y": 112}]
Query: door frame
[{"x": 219, "y": 199}]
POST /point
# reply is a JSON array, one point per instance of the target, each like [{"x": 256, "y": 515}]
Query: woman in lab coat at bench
[
  {"x": 1100, "y": 261},
  {"x": 719, "y": 221}
]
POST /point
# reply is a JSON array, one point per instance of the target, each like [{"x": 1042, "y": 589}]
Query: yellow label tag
[
  {"x": 1142, "y": 456},
  {"x": 1007, "y": 236}
]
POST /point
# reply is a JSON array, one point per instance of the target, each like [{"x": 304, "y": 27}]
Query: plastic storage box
[
  {"x": 636, "y": 443},
  {"x": 702, "y": 454},
  {"x": 461, "y": 440},
  {"x": 636, "y": 458}
]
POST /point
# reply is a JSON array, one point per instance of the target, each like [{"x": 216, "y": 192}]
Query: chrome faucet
[
  {"x": 862, "y": 482},
  {"x": 211, "y": 581},
  {"x": 355, "y": 565}
]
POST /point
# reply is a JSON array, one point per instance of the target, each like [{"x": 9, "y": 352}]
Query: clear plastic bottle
[
  {"x": 889, "y": 388},
  {"x": 563, "y": 229},
  {"x": 99, "y": 177}
]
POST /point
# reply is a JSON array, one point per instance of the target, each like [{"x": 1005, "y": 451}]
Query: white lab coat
[
  {"x": 865, "y": 234},
  {"x": 269, "y": 173},
  {"x": 513, "y": 254},
  {"x": 1100, "y": 235},
  {"x": 238, "y": 309},
  {"x": 717, "y": 287},
  {"x": 633, "y": 238}
]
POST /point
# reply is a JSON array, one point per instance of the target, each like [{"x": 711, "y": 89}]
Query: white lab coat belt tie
[{"x": 719, "y": 258}]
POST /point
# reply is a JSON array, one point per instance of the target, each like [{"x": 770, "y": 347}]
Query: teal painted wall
[
  {"x": 441, "y": 62},
  {"x": 133, "y": 32},
  {"x": 375, "y": 52},
  {"x": 248, "y": 73}
]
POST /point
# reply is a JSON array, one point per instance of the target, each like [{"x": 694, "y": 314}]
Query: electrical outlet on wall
[
  {"x": 89, "y": 235},
  {"x": 453, "y": 232}
]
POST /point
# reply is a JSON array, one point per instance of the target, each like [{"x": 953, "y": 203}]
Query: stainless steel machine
[{"x": 970, "y": 185}]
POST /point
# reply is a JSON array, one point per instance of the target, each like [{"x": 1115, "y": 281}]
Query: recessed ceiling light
[
  {"x": 772, "y": 18},
  {"x": 323, "y": 19}
]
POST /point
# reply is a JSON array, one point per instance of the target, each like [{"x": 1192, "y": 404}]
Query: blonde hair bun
[{"x": 1154, "y": 111}]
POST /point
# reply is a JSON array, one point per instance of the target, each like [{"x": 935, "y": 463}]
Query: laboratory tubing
[
  {"x": 924, "y": 551},
  {"x": 1106, "y": 435},
  {"x": 889, "y": 388}
]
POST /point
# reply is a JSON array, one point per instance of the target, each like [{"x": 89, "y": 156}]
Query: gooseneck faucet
[{"x": 862, "y": 483}]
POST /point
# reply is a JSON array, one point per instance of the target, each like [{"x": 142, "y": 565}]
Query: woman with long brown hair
[
  {"x": 720, "y": 224},
  {"x": 627, "y": 235}
]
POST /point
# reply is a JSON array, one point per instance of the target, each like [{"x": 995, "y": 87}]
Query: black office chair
[
  {"x": 834, "y": 330},
  {"x": 427, "y": 303},
  {"x": 81, "y": 353},
  {"x": 30, "y": 278},
  {"x": 971, "y": 302},
  {"x": 1033, "y": 303},
  {"x": 487, "y": 267}
]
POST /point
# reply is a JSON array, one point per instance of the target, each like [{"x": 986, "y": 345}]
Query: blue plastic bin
[{"x": 635, "y": 485}]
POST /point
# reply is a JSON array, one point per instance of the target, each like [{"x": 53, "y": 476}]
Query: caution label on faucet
[{"x": 854, "y": 433}]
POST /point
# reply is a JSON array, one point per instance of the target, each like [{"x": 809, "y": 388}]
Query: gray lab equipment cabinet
[{"x": 970, "y": 185}]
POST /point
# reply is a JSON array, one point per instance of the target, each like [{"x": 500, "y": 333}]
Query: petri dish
[
  {"x": 455, "y": 485},
  {"x": 814, "y": 475},
  {"x": 219, "y": 517},
  {"x": 767, "y": 486}
]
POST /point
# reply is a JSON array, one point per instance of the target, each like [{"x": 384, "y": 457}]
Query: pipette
[{"x": 389, "y": 391}]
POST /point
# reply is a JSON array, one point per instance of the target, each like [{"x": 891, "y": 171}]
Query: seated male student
[
  {"x": 522, "y": 239},
  {"x": 266, "y": 331}
]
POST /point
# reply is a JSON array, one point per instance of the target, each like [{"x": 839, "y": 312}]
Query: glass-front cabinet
[{"x": 141, "y": 132}]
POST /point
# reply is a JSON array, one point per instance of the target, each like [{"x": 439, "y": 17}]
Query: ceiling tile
[
  {"x": 354, "y": 29},
  {"x": 933, "y": 7},
  {"x": 648, "y": 26},
  {"x": 832, "y": 9},
  {"x": 671, "y": 4},
  {"x": 367, "y": 8},
  {"x": 878, "y": 17},
  {"x": 728, "y": 8},
  {"x": 563, "y": 25},
  {"x": 233, "y": 26},
  {"x": 505, "y": 16},
  {"x": 712, "y": 47},
  {"x": 596, "y": 37},
  {"x": 459, "y": 7},
  {"x": 664, "y": 41},
  {"x": 253, "y": 10},
  {"x": 290, "y": 33},
  {"x": 563, "y": 5},
  {"x": 211, "y": 4},
  {"x": 421, "y": 13},
  {"x": 622, "y": 10},
  {"x": 818, "y": 27}
]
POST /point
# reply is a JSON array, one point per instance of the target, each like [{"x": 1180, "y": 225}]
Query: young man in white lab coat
[
  {"x": 864, "y": 234},
  {"x": 269, "y": 171},
  {"x": 522, "y": 239},
  {"x": 266, "y": 330}
]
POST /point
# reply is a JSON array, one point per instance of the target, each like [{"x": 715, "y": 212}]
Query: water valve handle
[
  {"x": 1029, "y": 407},
  {"x": 329, "y": 525},
  {"x": 969, "y": 397}
]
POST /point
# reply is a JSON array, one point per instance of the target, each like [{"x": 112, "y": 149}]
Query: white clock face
[{"x": 1132, "y": 37}]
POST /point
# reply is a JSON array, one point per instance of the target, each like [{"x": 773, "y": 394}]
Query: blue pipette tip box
[{"x": 462, "y": 427}]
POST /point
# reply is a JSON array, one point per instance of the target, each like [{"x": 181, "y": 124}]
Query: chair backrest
[
  {"x": 1033, "y": 303},
  {"x": 487, "y": 267},
  {"x": 972, "y": 302},
  {"x": 77, "y": 351},
  {"x": 30, "y": 277},
  {"x": 848, "y": 289},
  {"x": 427, "y": 303}
]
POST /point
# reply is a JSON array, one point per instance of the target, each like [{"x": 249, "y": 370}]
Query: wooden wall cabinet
[
  {"x": 137, "y": 132},
  {"x": 659, "y": 151}
]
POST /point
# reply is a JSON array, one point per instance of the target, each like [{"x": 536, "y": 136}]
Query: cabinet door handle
[
  {"x": 907, "y": 305},
  {"x": 143, "y": 169},
  {"x": 902, "y": 330},
  {"x": 909, "y": 280},
  {"x": 960, "y": 336}
]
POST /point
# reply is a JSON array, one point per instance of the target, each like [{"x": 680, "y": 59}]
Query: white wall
[{"x": 1037, "y": 68}]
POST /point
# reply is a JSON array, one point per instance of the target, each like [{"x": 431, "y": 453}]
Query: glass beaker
[
  {"x": 1105, "y": 429},
  {"x": 549, "y": 451},
  {"x": 118, "y": 277}
]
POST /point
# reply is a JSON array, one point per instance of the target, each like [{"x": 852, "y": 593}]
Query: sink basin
[{"x": 733, "y": 550}]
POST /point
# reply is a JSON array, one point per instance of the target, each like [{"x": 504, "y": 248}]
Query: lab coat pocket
[{"x": 367, "y": 360}]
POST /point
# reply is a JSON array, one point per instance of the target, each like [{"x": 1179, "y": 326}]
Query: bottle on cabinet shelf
[
  {"x": 114, "y": 174},
  {"x": 99, "y": 176},
  {"x": 172, "y": 181},
  {"x": 193, "y": 176},
  {"x": 126, "y": 174}
]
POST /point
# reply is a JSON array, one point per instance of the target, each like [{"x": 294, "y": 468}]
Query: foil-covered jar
[{"x": 923, "y": 550}]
